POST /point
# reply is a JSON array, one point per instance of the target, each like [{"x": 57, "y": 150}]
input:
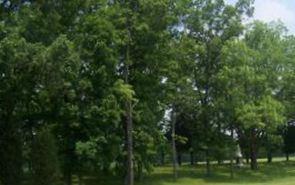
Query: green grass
[
  {"x": 276, "y": 173},
  {"x": 269, "y": 174}
]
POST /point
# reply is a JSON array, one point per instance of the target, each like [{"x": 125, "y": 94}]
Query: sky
[{"x": 272, "y": 10}]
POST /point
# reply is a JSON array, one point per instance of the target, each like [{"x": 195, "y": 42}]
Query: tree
[
  {"x": 267, "y": 116},
  {"x": 18, "y": 67},
  {"x": 123, "y": 26},
  {"x": 285, "y": 94},
  {"x": 211, "y": 24},
  {"x": 104, "y": 74},
  {"x": 145, "y": 52},
  {"x": 289, "y": 138},
  {"x": 251, "y": 79},
  {"x": 179, "y": 90},
  {"x": 45, "y": 162}
]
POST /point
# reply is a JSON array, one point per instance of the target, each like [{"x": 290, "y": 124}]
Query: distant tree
[
  {"x": 273, "y": 142},
  {"x": 289, "y": 139}
]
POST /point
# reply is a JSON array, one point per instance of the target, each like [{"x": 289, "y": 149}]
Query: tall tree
[
  {"x": 211, "y": 24},
  {"x": 251, "y": 82},
  {"x": 18, "y": 68}
]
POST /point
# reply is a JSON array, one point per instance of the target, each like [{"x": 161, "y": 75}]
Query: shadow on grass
[{"x": 220, "y": 174}]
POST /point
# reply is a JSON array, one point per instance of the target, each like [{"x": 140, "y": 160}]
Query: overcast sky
[{"x": 271, "y": 10}]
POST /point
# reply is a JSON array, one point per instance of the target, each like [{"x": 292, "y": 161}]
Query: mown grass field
[{"x": 276, "y": 173}]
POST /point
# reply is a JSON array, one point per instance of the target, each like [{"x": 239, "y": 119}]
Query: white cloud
[{"x": 273, "y": 10}]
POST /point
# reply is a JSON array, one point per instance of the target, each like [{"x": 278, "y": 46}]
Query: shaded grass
[{"x": 276, "y": 173}]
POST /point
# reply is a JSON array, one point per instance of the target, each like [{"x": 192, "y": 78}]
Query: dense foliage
[{"x": 106, "y": 86}]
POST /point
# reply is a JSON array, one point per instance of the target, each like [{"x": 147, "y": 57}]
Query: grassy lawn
[{"x": 277, "y": 173}]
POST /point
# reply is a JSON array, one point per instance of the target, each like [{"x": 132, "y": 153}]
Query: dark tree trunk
[
  {"x": 179, "y": 159},
  {"x": 207, "y": 154},
  {"x": 69, "y": 158},
  {"x": 129, "y": 127},
  {"x": 232, "y": 156},
  {"x": 254, "y": 165},
  {"x": 247, "y": 159},
  {"x": 80, "y": 179},
  {"x": 253, "y": 151},
  {"x": 128, "y": 113},
  {"x": 287, "y": 156},
  {"x": 11, "y": 162},
  {"x": 10, "y": 152},
  {"x": 174, "y": 152},
  {"x": 30, "y": 165},
  {"x": 208, "y": 170},
  {"x": 162, "y": 158},
  {"x": 192, "y": 158},
  {"x": 269, "y": 156},
  {"x": 269, "y": 149},
  {"x": 139, "y": 171},
  {"x": 68, "y": 177},
  {"x": 246, "y": 150}
]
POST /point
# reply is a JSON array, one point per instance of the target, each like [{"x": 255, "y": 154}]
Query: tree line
[{"x": 112, "y": 86}]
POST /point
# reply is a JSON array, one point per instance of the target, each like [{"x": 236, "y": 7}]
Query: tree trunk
[
  {"x": 179, "y": 158},
  {"x": 253, "y": 151},
  {"x": 254, "y": 165},
  {"x": 232, "y": 156},
  {"x": 69, "y": 158},
  {"x": 174, "y": 152},
  {"x": 269, "y": 156},
  {"x": 208, "y": 170},
  {"x": 10, "y": 152},
  {"x": 196, "y": 159},
  {"x": 192, "y": 158},
  {"x": 129, "y": 127},
  {"x": 128, "y": 111},
  {"x": 30, "y": 165},
  {"x": 247, "y": 159},
  {"x": 68, "y": 178},
  {"x": 139, "y": 171},
  {"x": 80, "y": 179},
  {"x": 287, "y": 156},
  {"x": 238, "y": 160},
  {"x": 162, "y": 158},
  {"x": 207, "y": 136},
  {"x": 268, "y": 149}
]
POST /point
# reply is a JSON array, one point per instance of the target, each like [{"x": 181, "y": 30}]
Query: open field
[{"x": 276, "y": 173}]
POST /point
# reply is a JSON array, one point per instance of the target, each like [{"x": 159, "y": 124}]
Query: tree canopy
[{"x": 106, "y": 86}]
